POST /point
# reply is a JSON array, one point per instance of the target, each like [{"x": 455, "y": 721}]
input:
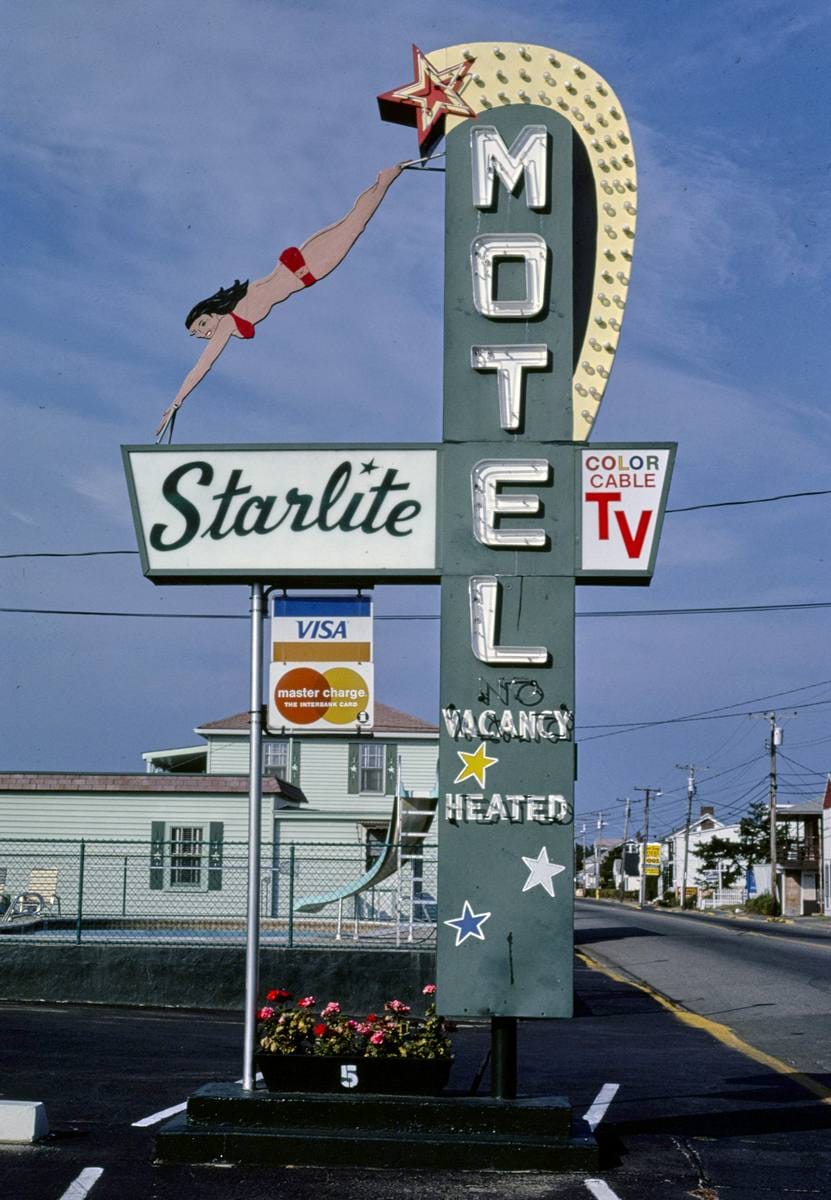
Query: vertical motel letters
[{"x": 491, "y": 159}]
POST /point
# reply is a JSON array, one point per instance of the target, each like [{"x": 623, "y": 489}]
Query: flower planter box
[{"x": 351, "y": 1074}]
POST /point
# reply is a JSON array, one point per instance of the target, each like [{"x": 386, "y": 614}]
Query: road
[
  {"x": 769, "y": 983},
  {"x": 689, "y": 1115}
]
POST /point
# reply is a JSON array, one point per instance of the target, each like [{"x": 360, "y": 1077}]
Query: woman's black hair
[{"x": 221, "y": 302}]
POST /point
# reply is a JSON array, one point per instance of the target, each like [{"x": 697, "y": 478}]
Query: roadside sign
[{"x": 321, "y": 669}]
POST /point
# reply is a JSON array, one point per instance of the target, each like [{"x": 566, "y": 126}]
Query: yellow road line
[{"x": 722, "y": 1033}]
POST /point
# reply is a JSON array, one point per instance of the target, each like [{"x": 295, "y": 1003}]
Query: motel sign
[{"x": 511, "y": 511}]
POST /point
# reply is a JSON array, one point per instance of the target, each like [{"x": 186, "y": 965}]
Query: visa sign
[
  {"x": 321, "y": 630},
  {"x": 321, "y": 672}
]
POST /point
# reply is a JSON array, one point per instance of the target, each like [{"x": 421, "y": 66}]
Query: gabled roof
[
  {"x": 387, "y": 720},
  {"x": 713, "y": 825}
]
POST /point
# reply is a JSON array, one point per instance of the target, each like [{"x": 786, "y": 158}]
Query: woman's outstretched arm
[{"x": 198, "y": 372}]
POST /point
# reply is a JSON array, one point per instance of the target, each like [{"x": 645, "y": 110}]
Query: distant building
[
  {"x": 799, "y": 856},
  {"x": 702, "y": 829}
]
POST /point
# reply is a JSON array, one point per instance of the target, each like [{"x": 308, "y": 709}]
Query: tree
[
  {"x": 737, "y": 856},
  {"x": 607, "y": 867}
]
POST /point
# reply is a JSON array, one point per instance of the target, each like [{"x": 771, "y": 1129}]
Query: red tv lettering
[
  {"x": 602, "y": 500},
  {"x": 633, "y": 542}
]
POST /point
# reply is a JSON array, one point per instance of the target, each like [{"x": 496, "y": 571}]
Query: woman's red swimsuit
[
  {"x": 246, "y": 329},
  {"x": 296, "y": 263}
]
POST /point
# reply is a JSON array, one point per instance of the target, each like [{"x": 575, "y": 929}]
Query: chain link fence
[{"x": 189, "y": 891}]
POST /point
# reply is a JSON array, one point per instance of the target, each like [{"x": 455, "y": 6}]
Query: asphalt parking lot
[{"x": 678, "y": 1113}]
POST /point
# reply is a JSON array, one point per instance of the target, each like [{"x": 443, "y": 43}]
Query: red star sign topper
[{"x": 425, "y": 102}]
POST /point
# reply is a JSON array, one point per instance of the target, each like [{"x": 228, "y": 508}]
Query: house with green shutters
[{"x": 172, "y": 840}]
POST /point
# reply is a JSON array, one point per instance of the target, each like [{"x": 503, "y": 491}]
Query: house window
[
  {"x": 376, "y": 839},
  {"x": 186, "y": 851},
  {"x": 371, "y": 767},
  {"x": 276, "y": 758}
]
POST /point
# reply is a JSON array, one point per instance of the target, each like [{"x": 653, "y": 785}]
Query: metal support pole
[
  {"x": 255, "y": 803},
  {"x": 80, "y": 917},
  {"x": 291, "y": 894},
  {"x": 503, "y": 1058}
]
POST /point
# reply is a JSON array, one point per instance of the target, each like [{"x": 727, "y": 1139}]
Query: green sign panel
[
  {"x": 508, "y": 527},
  {"x": 525, "y": 513}
]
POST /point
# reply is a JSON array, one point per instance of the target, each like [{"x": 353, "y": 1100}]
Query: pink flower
[
  {"x": 353, "y": 1025},
  {"x": 377, "y": 1039},
  {"x": 263, "y": 1014},
  {"x": 364, "y": 1028},
  {"x": 307, "y": 1002},
  {"x": 429, "y": 990},
  {"x": 397, "y": 1006},
  {"x": 331, "y": 1008}
]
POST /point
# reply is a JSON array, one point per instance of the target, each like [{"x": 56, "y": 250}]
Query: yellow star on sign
[{"x": 475, "y": 765}]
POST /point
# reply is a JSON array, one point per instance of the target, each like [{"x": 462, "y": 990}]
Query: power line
[
  {"x": 685, "y": 508},
  {"x": 759, "y": 500},
  {"x": 638, "y": 612}
]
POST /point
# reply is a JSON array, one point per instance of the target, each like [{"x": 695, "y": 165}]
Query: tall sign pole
[{"x": 255, "y": 798}]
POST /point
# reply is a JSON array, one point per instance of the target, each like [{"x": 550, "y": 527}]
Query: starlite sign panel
[
  {"x": 321, "y": 671},
  {"x": 219, "y": 513}
]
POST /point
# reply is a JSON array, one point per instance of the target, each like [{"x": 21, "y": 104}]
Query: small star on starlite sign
[
  {"x": 468, "y": 924},
  {"x": 475, "y": 765},
  {"x": 368, "y": 467},
  {"x": 541, "y": 872}
]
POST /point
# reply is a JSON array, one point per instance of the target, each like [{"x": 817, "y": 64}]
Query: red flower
[
  {"x": 319, "y": 1030},
  {"x": 372, "y": 1018},
  {"x": 397, "y": 1006},
  {"x": 278, "y": 994},
  {"x": 307, "y": 1002}
]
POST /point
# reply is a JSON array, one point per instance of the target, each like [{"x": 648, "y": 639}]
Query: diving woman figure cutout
[{"x": 234, "y": 312}]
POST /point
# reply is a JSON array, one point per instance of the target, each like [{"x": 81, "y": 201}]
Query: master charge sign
[{"x": 321, "y": 671}]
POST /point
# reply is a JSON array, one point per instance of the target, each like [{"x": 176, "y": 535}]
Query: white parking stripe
[
  {"x": 160, "y": 1116},
  {"x": 155, "y": 1117},
  {"x": 597, "y": 1111},
  {"x": 80, "y": 1187},
  {"x": 601, "y": 1190}
]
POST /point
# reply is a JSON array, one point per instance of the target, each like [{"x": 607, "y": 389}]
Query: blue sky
[{"x": 151, "y": 152}]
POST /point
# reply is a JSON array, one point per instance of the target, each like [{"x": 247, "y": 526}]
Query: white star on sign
[{"x": 541, "y": 872}]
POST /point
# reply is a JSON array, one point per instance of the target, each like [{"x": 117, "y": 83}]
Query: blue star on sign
[{"x": 468, "y": 924}]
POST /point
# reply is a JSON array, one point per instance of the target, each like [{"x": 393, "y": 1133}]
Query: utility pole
[
  {"x": 774, "y": 741},
  {"x": 626, "y": 813},
  {"x": 690, "y": 769},
  {"x": 583, "y": 839},
  {"x": 601, "y": 824},
  {"x": 648, "y": 794}
]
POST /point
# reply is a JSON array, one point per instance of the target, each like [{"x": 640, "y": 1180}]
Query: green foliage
[
  {"x": 762, "y": 903},
  {"x": 607, "y": 874},
  {"x": 752, "y": 846}
]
